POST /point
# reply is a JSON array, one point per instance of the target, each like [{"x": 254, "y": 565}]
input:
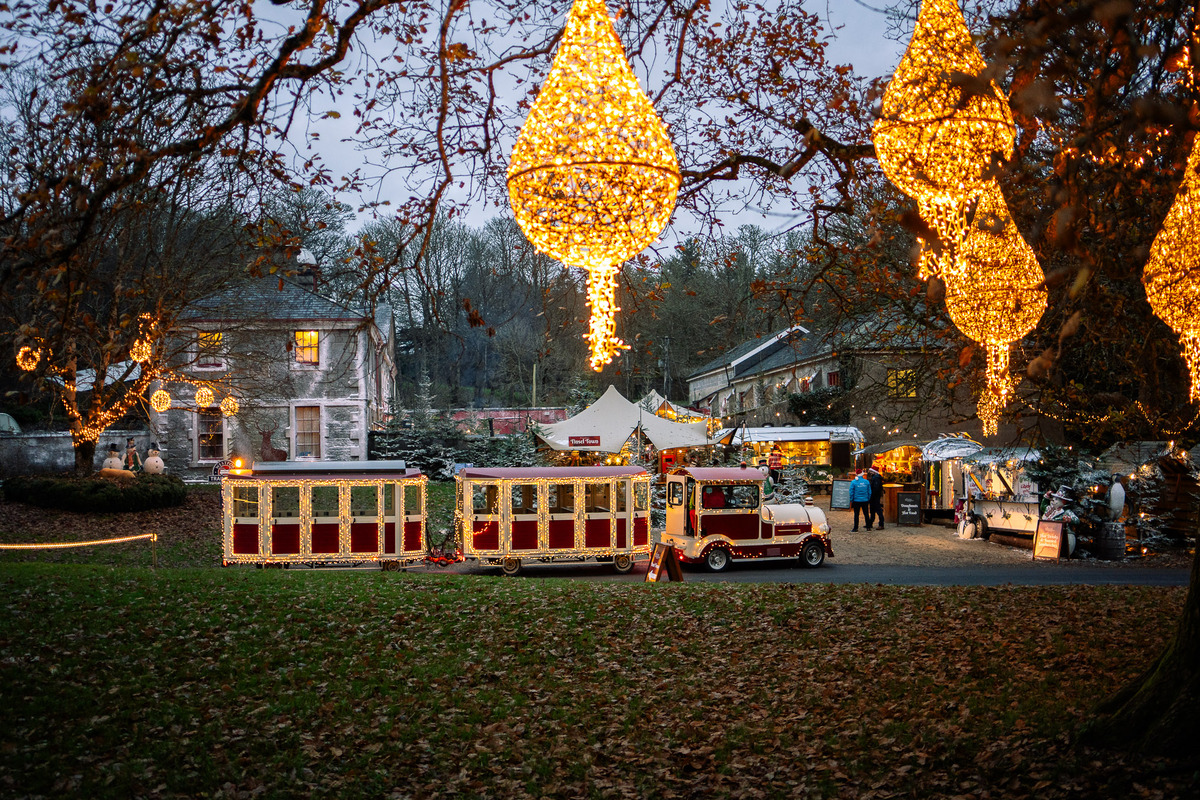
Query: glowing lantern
[
  {"x": 593, "y": 176},
  {"x": 204, "y": 397},
  {"x": 229, "y": 406},
  {"x": 160, "y": 401},
  {"x": 28, "y": 358},
  {"x": 941, "y": 133},
  {"x": 997, "y": 297},
  {"x": 1172, "y": 274}
]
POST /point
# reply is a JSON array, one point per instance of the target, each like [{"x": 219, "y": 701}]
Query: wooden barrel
[{"x": 1110, "y": 541}]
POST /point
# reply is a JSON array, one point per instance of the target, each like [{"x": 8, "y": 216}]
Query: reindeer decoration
[{"x": 267, "y": 451}]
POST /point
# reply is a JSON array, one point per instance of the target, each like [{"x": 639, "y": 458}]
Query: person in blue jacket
[{"x": 860, "y": 498}]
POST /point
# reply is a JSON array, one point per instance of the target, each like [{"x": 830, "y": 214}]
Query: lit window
[
  {"x": 833, "y": 379},
  {"x": 307, "y": 348},
  {"x": 308, "y": 431},
  {"x": 901, "y": 383},
  {"x": 209, "y": 351},
  {"x": 210, "y": 435}
]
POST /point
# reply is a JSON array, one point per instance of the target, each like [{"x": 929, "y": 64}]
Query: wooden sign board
[
  {"x": 839, "y": 494},
  {"x": 1047, "y": 540},
  {"x": 908, "y": 508},
  {"x": 663, "y": 556}
]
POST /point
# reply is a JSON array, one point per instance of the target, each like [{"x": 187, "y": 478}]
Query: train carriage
[
  {"x": 513, "y": 517},
  {"x": 324, "y": 513}
]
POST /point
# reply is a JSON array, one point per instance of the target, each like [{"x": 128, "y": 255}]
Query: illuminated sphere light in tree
[
  {"x": 996, "y": 297},
  {"x": 1172, "y": 273},
  {"x": 593, "y": 176},
  {"x": 161, "y": 400},
  {"x": 941, "y": 133},
  {"x": 140, "y": 350},
  {"x": 229, "y": 406},
  {"x": 28, "y": 358},
  {"x": 204, "y": 397}
]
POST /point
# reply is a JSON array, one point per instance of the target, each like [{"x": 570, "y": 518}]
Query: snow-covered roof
[{"x": 605, "y": 426}]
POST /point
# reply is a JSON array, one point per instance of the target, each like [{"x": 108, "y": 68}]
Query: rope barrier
[{"x": 153, "y": 537}]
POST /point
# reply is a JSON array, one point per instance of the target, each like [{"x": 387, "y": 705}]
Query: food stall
[
  {"x": 1000, "y": 501},
  {"x": 944, "y": 474},
  {"x": 801, "y": 445}
]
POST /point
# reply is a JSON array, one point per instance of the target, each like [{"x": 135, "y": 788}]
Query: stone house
[
  {"x": 310, "y": 377},
  {"x": 878, "y": 373}
]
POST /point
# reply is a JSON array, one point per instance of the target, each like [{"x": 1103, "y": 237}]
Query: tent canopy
[
  {"x": 605, "y": 426},
  {"x": 792, "y": 433}
]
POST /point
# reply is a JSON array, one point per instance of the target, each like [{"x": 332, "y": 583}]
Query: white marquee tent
[{"x": 605, "y": 426}]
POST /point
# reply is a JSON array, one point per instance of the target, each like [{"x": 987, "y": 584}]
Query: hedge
[{"x": 98, "y": 495}]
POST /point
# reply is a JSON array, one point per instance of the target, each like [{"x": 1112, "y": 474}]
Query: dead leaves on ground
[{"x": 241, "y": 682}]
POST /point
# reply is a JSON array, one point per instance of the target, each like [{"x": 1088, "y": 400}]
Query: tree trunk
[
  {"x": 1159, "y": 712},
  {"x": 85, "y": 458}
]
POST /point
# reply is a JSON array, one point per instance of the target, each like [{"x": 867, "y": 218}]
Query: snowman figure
[
  {"x": 154, "y": 464},
  {"x": 114, "y": 458},
  {"x": 133, "y": 462}
]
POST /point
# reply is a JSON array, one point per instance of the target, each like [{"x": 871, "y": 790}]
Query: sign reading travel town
[{"x": 583, "y": 441}]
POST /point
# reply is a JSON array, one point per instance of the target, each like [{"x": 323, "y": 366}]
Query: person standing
[
  {"x": 876, "y": 511},
  {"x": 860, "y": 498},
  {"x": 775, "y": 463}
]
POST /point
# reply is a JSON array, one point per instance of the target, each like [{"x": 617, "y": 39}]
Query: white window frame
[
  {"x": 199, "y": 431},
  {"x": 293, "y": 363},
  {"x": 220, "y": 361},
  {"x": 320, "y": 432}
]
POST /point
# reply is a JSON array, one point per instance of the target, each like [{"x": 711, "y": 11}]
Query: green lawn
[{"x": 122, "y": 682}]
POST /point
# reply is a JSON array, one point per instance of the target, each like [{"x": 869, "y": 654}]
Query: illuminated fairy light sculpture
[
  {"x": 160, "y": 401},
  {"x": 593, "y": 177},
  {"x": 229, "y": 406},
  {"x": 28, "y": 358},
  {"x": 939, "y": 137},
  {"x": 996, "y": 296},
  {"x": 1172, "y": 273}
]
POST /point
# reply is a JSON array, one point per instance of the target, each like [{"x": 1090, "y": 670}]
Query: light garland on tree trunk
[{"x": 593, "y": 176}]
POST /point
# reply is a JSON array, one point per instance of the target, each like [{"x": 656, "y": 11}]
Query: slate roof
[{"x": 272, "y": 297}]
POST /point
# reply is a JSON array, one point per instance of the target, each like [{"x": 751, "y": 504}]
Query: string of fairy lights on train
[
  {"x": 941, "y": 143},
  {"x": 593, "y": 176}
]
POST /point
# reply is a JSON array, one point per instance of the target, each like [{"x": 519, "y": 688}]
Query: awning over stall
[
  {"x": 605, "y": 426},
  {"x": 792, "y": 433},
  {"x": 950, "y": 446}
]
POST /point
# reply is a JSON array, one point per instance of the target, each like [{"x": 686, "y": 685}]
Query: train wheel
[
  {"x": 511, "y": 566},
  {"x": 981, "y": 525},
  {"x": 717, "y": 559},
  {"x": 622, "y": 563},
  {"x": 812, "y": 554}
]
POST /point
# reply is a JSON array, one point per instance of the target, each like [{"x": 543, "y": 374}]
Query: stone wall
[{"x": 40, "y": 452}]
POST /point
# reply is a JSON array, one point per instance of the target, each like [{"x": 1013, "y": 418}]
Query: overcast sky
[{"x": 858, "y": 28}]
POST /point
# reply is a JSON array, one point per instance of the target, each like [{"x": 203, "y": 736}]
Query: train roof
[
  {"x": 275, "y": 469},
  {"x": 532, "y": 473},
  {"x": 721, "y": 473}
]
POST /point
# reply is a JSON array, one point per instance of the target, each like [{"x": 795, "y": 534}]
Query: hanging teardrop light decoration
[
  {"x": 161, "y": 400},
  {"x": 1172, "y": 273},
  {"x": 229, "y": 406},
  {"x": 593, "y": 176},
  {"x": 942, "y": 131},
  {"x": 996, "y": 296},
  {"x": 204, "y": 397}
]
